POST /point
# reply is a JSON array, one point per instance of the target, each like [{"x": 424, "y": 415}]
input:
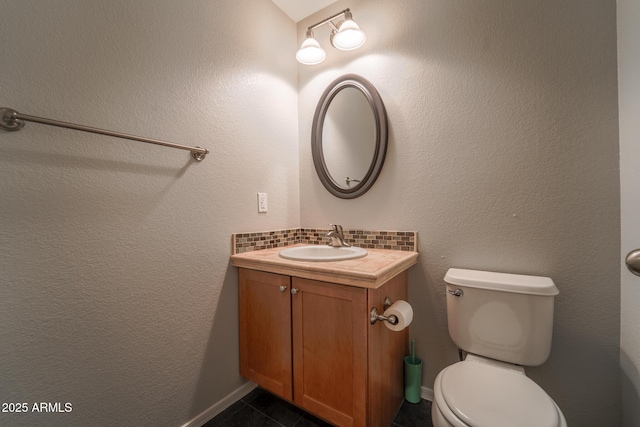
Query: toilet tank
[{"x": 507, "y": 317}]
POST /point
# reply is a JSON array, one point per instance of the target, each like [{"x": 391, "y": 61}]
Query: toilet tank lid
[{"x": 505, "y": 282}]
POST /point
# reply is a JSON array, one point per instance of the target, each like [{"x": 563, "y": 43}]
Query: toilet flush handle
[{"x": 457, "y": 293}]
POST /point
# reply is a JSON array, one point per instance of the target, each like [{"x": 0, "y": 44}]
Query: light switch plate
[{"x": 262, "y": 202}]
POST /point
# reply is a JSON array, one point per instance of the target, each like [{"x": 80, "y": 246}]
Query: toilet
[{"x": 502, "y": 322}]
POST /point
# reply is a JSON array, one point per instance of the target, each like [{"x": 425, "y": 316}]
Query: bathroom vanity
[{"x": 306, "y": 335}]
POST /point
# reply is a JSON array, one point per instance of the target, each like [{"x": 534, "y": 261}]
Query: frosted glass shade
[
  {"x": 348, "y": 37},
  {"x": 310, "y": 53}
]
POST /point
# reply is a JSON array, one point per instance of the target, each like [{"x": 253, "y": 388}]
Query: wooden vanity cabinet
[{"x": 312, "y": 343}]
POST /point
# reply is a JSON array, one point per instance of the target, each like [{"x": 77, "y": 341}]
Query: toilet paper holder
[{"x": 375, "y": 316}]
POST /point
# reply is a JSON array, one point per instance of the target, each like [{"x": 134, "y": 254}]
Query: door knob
[
  {"x": 633, "y": 262},
  {"x": 294, "y": 291},
  {"x": 283, "y": 288}
]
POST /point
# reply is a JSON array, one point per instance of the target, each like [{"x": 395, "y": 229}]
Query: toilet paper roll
[{"x": 403, "y": 311}]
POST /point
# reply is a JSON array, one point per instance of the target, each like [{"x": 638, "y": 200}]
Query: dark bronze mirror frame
[{"x": 381, "y": 138}]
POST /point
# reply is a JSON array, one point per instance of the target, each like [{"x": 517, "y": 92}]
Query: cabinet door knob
[
  {"x": 294, "y": 291},
  {"x": 283, "y": 288}
]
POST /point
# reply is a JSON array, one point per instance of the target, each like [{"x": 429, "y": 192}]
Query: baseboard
[
  {"x": 242, "y": 391},
  {"x": 426, "y": 394},
  {"x": 220, "y": 406}
]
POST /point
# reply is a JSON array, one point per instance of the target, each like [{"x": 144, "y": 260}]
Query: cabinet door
[
  {"x": 330, "y": 351},
  {"x": 265, "y": 330}
]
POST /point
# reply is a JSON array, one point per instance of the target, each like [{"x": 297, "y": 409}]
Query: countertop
[{"x": 371, "y": 271}]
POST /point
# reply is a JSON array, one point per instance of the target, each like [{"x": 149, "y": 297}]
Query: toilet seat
[{"x": 480, "y": 395}]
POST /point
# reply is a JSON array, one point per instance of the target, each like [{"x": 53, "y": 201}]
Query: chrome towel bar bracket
[{"x": 11, "y": 120}]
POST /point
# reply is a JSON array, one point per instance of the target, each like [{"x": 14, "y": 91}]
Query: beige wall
[
  {"x": 629, "y": 102},
  {"x": 116, "y": 293},
  {"x": 503, "y": 156}
]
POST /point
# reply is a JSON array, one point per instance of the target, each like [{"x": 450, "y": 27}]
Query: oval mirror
[{"x": 349, "y": 136}]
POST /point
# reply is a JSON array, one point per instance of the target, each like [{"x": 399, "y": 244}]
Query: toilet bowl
[
  {"x": 481, "y": 392},
  {"x": 502, "y": 322}
]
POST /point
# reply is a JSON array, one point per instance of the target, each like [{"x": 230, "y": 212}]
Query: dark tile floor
[{"x": 262, "y": 409}]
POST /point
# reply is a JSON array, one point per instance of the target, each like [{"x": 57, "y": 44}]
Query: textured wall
[
  {"x": 116, "y": 293},
  {"x": 629, "y": 102},
  {"x": 503, "y": 156}
]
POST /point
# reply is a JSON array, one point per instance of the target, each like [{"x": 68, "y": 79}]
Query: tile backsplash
[{"x": 368, "y": 239}]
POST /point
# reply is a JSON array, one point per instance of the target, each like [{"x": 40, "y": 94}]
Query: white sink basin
[{"x": 322, "y": 253}]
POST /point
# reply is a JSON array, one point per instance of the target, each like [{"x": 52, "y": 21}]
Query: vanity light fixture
[{"x": 346, "y": 35}]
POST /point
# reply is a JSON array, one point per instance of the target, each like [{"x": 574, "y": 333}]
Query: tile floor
[{"x": 262, "y": 409}]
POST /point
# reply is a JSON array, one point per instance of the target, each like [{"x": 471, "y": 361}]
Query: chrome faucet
[{"x": 336, "y": 236}]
